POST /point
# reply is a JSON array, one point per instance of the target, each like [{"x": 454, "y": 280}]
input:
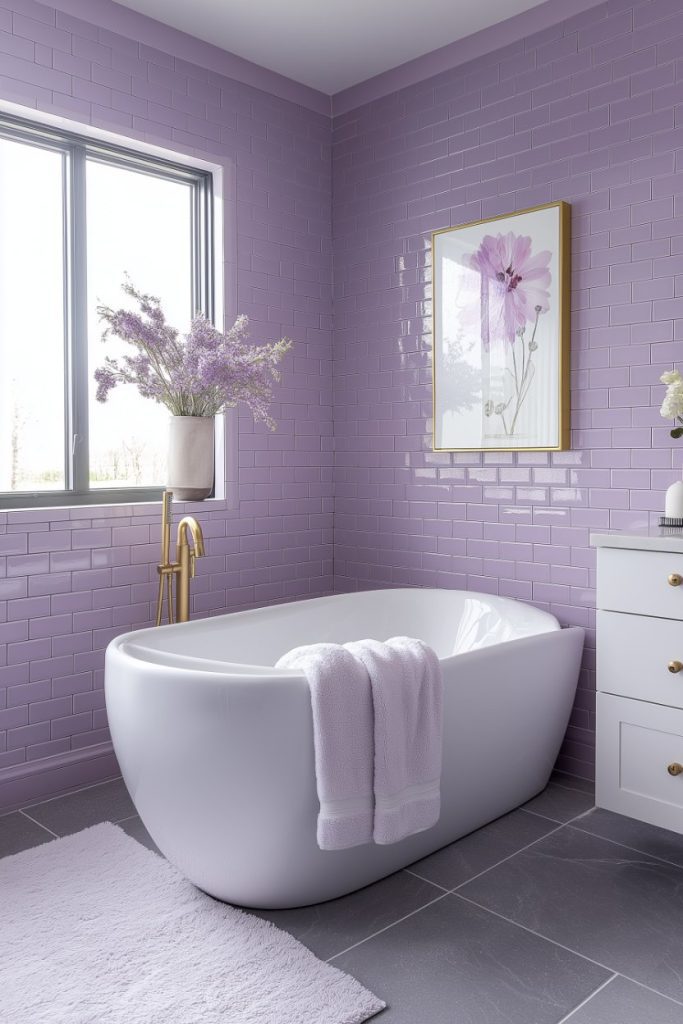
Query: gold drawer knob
[
  {"x": 675, "y": 768},
  {"x": 675, "y": 666},
  {"x": 675, "y": 579}
]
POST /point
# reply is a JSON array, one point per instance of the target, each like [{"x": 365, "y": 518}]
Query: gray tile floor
[{"x": 557, "y": 912}]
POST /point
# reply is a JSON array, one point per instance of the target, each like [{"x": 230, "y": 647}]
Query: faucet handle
[{"x": 193, "y": 559}]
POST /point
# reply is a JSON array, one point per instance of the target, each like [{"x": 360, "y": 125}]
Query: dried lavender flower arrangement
[
  {"x": 200, "y": 374},
  {"x": 672, "y": 406}
]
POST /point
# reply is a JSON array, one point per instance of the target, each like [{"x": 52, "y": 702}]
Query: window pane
[
  {"x": 31, "y": 318},
  {"x": 141, "y": 225}
]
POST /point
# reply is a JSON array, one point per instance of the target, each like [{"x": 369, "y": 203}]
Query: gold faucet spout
[
  {"x": 186, "y": 559},
  {"x": 189, "y": 523}
]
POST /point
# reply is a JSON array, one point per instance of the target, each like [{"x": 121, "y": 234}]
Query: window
[{"x": 75, "y": 217}]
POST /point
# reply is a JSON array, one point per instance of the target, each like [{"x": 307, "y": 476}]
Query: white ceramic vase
[{"x": 191, "y": 459}]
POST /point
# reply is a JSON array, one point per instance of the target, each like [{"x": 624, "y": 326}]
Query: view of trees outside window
[
  {"x": 32, "y": 437},
  {"x": 141, "y": 225}
]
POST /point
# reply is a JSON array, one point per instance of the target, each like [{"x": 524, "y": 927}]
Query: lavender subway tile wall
[
  {"x": 588, "y": 110},
  {"x": 70, "y": 580}
]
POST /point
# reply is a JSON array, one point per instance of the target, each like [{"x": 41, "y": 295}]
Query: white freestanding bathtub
[{"x": 216, "y": 745}]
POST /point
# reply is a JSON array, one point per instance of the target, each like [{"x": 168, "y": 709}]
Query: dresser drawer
[
  {"x": 640, "y": 656},
  {"x": 641, "y": 582},
  {"x": 636, "y": 742}
]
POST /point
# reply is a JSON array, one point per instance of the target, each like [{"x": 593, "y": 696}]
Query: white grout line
[
  {"x": 409, "y": 871},
  {"x": 546, "y": 817},
  {"x": 509, "y": 857},
  {"x": 588, "y": 999},
  {"x": 522, "y": 848},
  {"x": 568, "y": 949},
  {"x": 388, "y": 926},
  {"x": 625, "y": 846},
  {"x": 40, "y": 824},
  {"x": 558, "y": 825},
  {"x": 572, "y": 789},
  {"x": 647, "y": 988},
  {"x": 538, "y": 935},
  {"x": 73, "y": 792}
]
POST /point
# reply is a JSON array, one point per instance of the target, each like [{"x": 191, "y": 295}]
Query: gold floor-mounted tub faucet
[{"x": 183, "y": 569}]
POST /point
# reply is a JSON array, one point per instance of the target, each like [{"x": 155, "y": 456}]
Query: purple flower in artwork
[
  {"x": 514, "y": 284},
  {"x": 514, "y": 291},
  {"x": 199, "y": 375}
]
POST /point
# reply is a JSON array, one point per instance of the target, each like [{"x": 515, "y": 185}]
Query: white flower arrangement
[{"x": 672, "y": 406}]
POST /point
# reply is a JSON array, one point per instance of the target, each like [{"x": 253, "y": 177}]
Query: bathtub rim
[
  {"x": 127, "y": 646},
  {"x": 207, "y": 674}
]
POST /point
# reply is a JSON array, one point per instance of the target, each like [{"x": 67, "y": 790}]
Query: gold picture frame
[{"x": 487, "y": 358}]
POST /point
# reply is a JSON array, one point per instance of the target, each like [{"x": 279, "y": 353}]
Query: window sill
[
  {"x": 135, "y": 507},
  {"x": 30, "y": 500}
]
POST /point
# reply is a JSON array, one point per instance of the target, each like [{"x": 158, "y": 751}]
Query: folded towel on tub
[
  {"x": 377, "y": 727},
  {"x": 341, "y": 701},
  {"x": 407, "y": 699}
]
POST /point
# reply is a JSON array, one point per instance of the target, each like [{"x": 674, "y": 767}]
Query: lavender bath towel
[
  {"x": 342, "y": 732},
  {"x": 377, "y": 727}
]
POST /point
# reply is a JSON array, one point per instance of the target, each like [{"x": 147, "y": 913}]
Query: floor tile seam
[
  {"x": 386, "y": 928},
  {"x": 648, "y": 988},
  {"x": 567, "y": 949},
  {"x": 416, "y": 874},
  {"x": 538, "y": 935},
  {"x": 40, "y": 825},
  {"x": 546, "y": 817},
  {"x": 584, "y": 1002},
  {"x": 563, "y": 785},
  {"x": 423, "y": 878},
  {"x": 558, "y": 825},
  {"x": 72, "y": 792},
  {"x": 626, "y": 846},
  {"x": 522, "y": 849},
  {"x": 504, "y": 860}
]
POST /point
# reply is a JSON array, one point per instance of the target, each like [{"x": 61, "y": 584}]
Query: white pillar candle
[{"x": 673, "y": 508}]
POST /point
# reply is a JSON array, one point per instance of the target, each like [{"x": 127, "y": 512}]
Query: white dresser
[{"x": 639, "y": 756}]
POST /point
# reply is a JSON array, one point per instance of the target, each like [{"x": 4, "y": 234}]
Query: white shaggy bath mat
[{"x": 95, "y": 929}]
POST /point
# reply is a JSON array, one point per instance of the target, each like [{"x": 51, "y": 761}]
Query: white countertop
[{"x": 656, "y": 538}]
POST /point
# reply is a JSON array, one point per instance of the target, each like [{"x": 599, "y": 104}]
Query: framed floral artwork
[{"x": 501, "y": 332}]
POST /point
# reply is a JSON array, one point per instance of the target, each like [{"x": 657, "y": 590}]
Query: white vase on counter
[{"x": 191, "y": 460}]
